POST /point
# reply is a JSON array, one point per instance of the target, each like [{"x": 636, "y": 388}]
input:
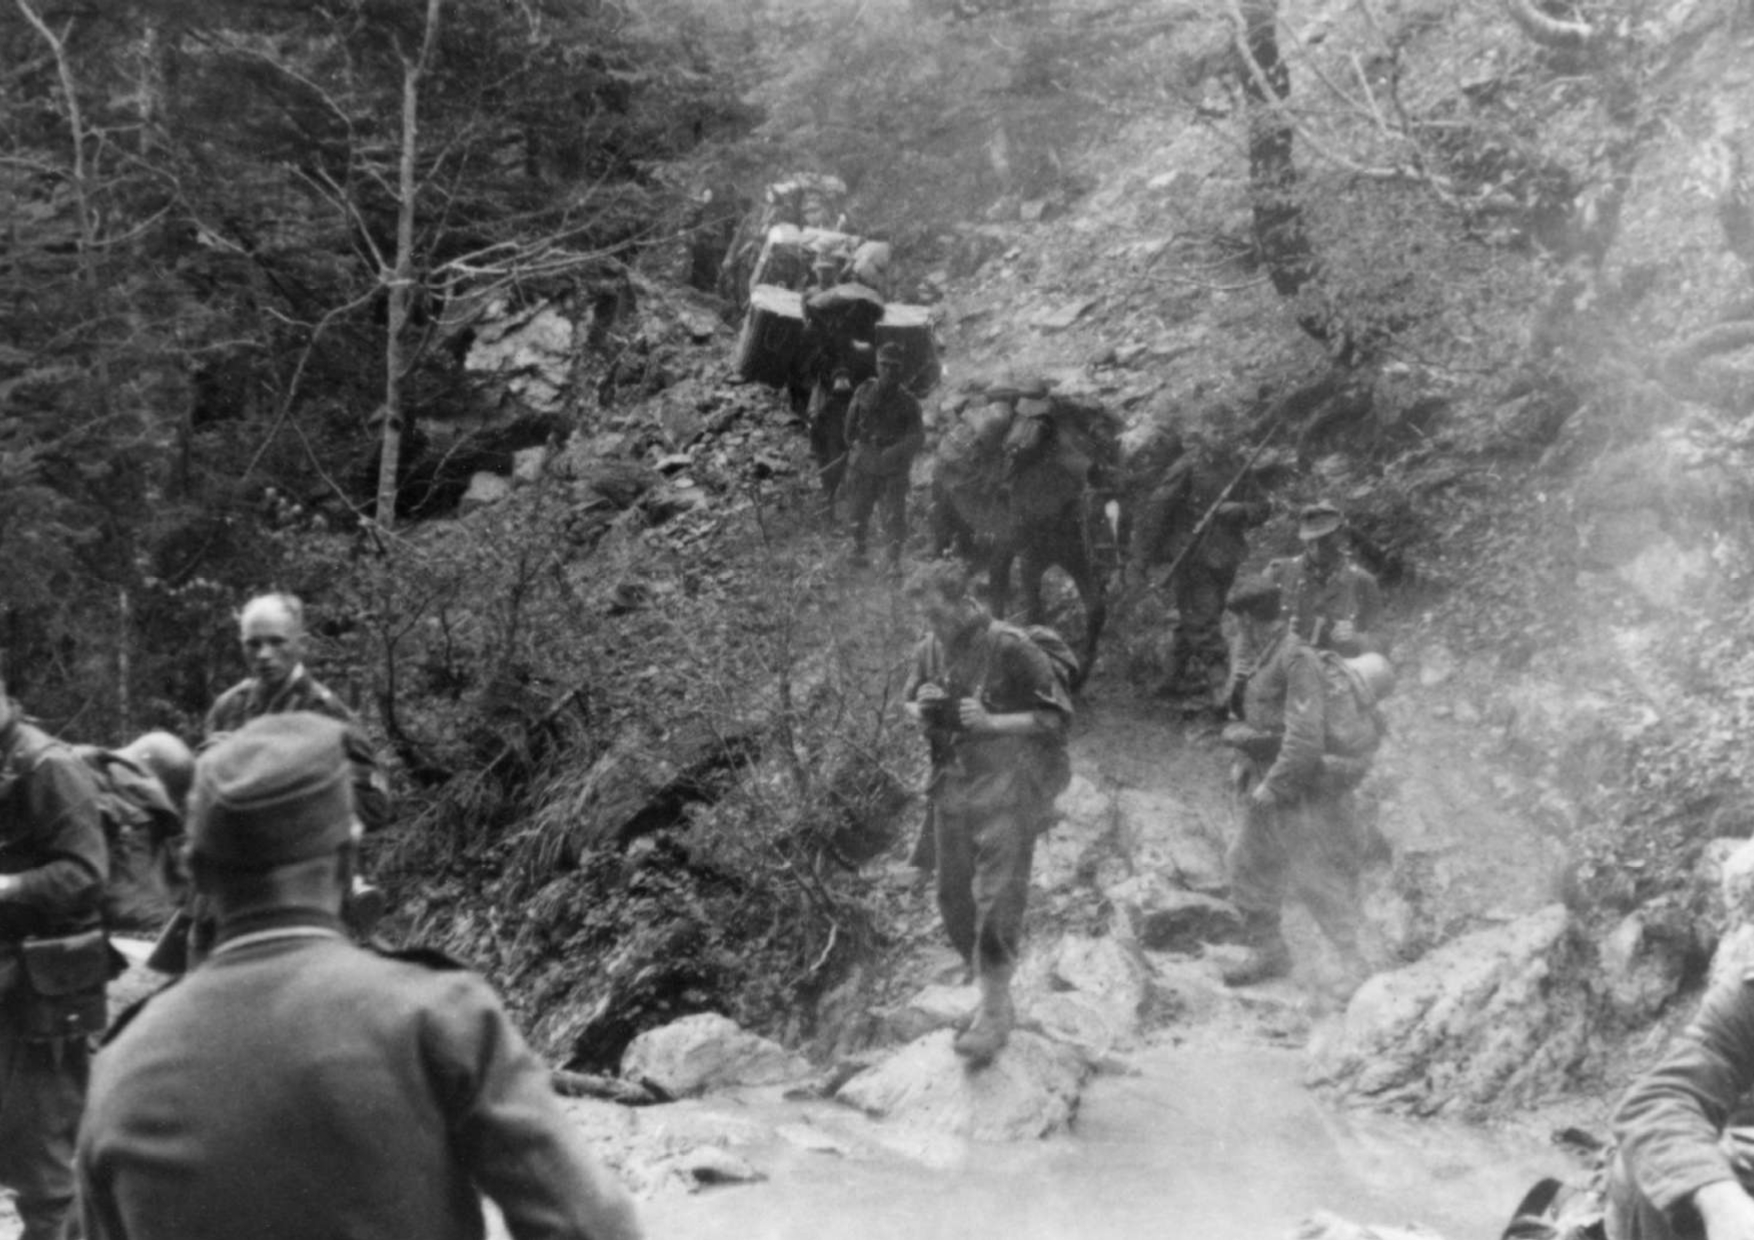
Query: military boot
[
  {"x": 993, "y": 1019},
  {"x": 1265, "y": 956}
]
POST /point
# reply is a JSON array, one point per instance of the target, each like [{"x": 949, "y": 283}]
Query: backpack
[
  {"x": 142, "y": 829},
  {"x": 1355, "y": 726},
  {"x": 1056, "y": 771}
]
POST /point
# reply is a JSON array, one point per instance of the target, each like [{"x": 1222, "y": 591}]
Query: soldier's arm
[
  {"x": 1300, "y": 749},
  {"x": 1669, "y": 1121},
  {"x": 60, "y": 807},
  {"x": 914, "y": 430},
  {"x": 1049, "y": 711},
  {"x": 1367, "y": 616},
  {"x": 855, "y": 423},
  {"x": 512, "y": 1135},
  {"x": 371, "y": 787}
]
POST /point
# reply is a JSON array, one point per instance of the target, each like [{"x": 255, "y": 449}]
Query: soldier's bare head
[
  {"x": 941, "y": 592},
  {"x": 271, "y": 628}
]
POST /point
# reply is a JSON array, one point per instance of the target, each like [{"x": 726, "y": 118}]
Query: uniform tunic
[
  {"x": 991, "y": 795},
  {"x": 251, "y": 699},
  {"x": 885, "y": 430},
  {"x": 1317, "y": 600},
  {"x": 1669, "y": 1124},
  {"x": 296, "y": 1085},
  {"x": 1305, "y": 843},
  {"x": 51, "y": 838}
]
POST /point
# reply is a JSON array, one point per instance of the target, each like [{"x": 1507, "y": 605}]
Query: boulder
[
  {"x": 707, "y": 1051},
  {"x": 1108, "y": 972},
  {"x": 484, "y": 488},
  {"x": 1066, "y": 856},
  {"x": 935, "y": 1007},
  {"x": 1181, "y": 921},
  {"x": 1484, "y": 1019},
  {"x": 1645, "y": 959},
  {"x": 1324, "y": 1226},
  {"x": 1029, "y": 1091},
  {"x": 1175, "y": 839}
]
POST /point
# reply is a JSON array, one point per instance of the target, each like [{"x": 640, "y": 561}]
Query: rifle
[{"x": 1205, "y": 521}]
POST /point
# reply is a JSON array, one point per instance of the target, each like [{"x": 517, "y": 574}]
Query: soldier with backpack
[
  {"x": 994, "y": 705},
  {"x": 142, "y": 788},
  {"x": 1304, "y": 742},
  {"x": 54, "y": 963}
]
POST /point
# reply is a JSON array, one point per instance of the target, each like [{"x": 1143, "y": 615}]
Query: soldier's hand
[
  {"x": 973, "y": 715},
  {"x": 920, "y": 707},
  {"x": 1263, "y": 795},
  {"x": 1727, "y": 1210},
  {"x": 1344, "y": 633}
]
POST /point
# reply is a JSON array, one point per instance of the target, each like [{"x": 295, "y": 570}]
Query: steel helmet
[
  {"x": 1376, "y": 673},
  {"x": 168, "y": 759}
]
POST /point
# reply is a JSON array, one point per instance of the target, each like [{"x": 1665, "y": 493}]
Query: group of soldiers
[
  {"x": 254, "y": 1094},
  {"x": 996, "y": 716}
]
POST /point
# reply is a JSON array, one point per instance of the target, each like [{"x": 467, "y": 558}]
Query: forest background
[{"x": 1488, "y": 261}]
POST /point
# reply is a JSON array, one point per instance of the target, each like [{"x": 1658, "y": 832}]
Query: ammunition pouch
[
  {"x": 1258, "y": 746},
  {"x": 1340, "y": 774},
  {"x": 61, "y": 985}
]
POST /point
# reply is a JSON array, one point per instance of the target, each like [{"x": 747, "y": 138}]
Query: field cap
[
  {"x": 1319, "y": 520},
  {"x": 276, "y": 791},
  {"x": 1257, "y": 597}
]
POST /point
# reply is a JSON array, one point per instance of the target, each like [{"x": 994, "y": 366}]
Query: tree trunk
[
  {"x": 1278, "y": 217},
  {"x": 401, "y": 280}
]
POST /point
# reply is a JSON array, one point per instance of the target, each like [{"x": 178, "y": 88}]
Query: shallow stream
[{"x": 1220, "y": 1144}]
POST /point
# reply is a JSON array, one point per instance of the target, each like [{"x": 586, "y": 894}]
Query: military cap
[
  {"x": 892, "y": 352},
  {"x": 276, "y": 791},
  {"x": 1255, "y": 596},
  {"x": 1318, "y": 520}
]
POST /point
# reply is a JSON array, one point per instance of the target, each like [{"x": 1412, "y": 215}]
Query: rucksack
[
  {"x": 1355, "y": 725},
  {"x": 1056, "y": 769},
  {"x": 142, "y": 828}
]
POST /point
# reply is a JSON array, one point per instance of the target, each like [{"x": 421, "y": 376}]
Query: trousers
[
  {"x": 886, "y": 491},
  {"x": 983, "y": 881},
  {"x": 1307, "y": 849},
  {"x": 42, "y": 1092}
]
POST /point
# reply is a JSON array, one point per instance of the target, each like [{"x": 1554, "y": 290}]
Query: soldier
[
  {"x": 299, "y": 1085},
  {"x": 995, "y": 715},
  {"x": 1683, "y": 1156},
  {"x": 1333, "y": 603},
  {"x": 54, "y": 963},
  {"x": 1296, "y": 832},
  {"x": 1206, "y": 559},
  {"x": 885, "y": 430},
  {"x": 271, "y": 630}
]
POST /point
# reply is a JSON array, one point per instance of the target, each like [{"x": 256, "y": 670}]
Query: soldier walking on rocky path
[
  {"x": 1297, "y": 834},
  {"x": 299, "y": 1085},
  {"x": 996, "y": 715},
  {"x": 885, "y": 431}
]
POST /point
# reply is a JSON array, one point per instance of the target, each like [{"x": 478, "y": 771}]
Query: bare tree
[{"x": 400, "y": 282}]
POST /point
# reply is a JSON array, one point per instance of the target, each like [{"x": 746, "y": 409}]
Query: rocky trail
[{"x": 1140, "y": 1093}]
